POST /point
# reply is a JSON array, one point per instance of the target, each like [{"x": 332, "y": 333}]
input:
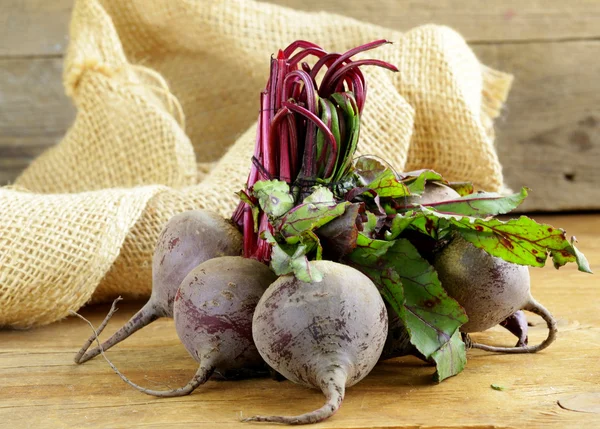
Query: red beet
[
  {"x": 490, "y": 290},
  {"x": 187, "y": 240},
  {"x": 326, "y": 335},
  {"x": 213, "y": 312}
]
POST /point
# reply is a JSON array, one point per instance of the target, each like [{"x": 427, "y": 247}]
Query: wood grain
[
  {"x": 41, "y": 387},
  {"x": 35, "y": 113},
  {"x": 34, "y": 27},
  {"x": 38, "y": 27},
  {"x": 549, "y": 136}
]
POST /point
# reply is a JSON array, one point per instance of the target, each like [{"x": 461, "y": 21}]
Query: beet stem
[
  {"x": 201, "y": 376},
  {"x": 540, "y": 310},
  {"x": 332, "y": 383},
  {"x": 146, "y": 315}
]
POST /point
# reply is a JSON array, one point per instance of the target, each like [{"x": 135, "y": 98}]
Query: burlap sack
[{"x": 166, "y": 94}]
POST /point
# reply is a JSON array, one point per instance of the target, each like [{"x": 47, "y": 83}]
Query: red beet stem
[
  {"x": 347, "y": 55},
  {"x": 317, "y": 121},
  {"x": 303, "y": 44},
  {"x": 317, "y": 52}
]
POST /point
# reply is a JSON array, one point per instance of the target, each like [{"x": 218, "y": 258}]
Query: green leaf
[
  {"x": 582, "y": 262},
  {"x": 450, "y": 359},
  {"x": 371, "y": 248},
  {"x": 370, "y": 258},
  {"x": 415, "y": 180},
  {"x": 320, "y": 194},
  {"x": 497, "y": 387},
  {"x": 317, "y": 209},
  {"x": 286, "y": 259},
  {"x": 463, "y": 188},
  {"x": 400, "y": 222},
  {"x": 430, "y": 315},
  {"x": 387, "y": 185},
  {"x": 481, "y": 204},
  {"x": 521, "y": 241},
  {"x": 370, "y": 226},
  {"x": 366, "y": 169},
  {"x": 273, "y": 197}
]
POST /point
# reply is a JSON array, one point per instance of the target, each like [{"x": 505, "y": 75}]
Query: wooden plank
[
  {"x": 35, "y": 113},
  {"x": 34, "y": 27},
  {"x": 549, "y": 138},
  {"x": 38, "y": 27},
  {"x": 496, "y": 20},
  {"x": 41, "y": 387}
]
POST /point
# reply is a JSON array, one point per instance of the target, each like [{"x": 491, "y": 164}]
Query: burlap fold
[{"x": 167, "y": 94}]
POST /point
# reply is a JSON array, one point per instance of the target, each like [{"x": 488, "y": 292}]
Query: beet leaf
[{"x": 450, "y": 359}]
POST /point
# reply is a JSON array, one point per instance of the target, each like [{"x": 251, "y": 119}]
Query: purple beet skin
[
  {"x": 327, "y": 335},
  {"x": 187, "y": 240},
  {"x": 213, "y": 312}
]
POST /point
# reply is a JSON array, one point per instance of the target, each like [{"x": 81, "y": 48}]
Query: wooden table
[{"x": 41, "y": 387}]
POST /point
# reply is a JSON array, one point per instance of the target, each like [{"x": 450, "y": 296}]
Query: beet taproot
[
  {"x": 188, "y": 239},
  {"x": 213, "y": 312},
  {"x": 490, "y": 290},
  {"x": 327, "y": 335}
]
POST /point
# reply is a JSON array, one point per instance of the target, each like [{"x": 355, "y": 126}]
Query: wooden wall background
[{"x": 548, "y": 138}]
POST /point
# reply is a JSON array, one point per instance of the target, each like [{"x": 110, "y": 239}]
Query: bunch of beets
[{"x": 332, "y": 263}]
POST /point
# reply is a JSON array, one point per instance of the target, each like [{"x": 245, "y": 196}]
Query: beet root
[
  {"x": 213, "y": 312},
  {"x": 490, "y": 290},
  {"x": 187, "y": 240},
  {"x": 326, "y": 335},
  {"x": 517, "y": 325}
]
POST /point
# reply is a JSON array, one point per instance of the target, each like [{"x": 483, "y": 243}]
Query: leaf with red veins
[
  {"x": 416, "y": 180},
  {"x": 481, "y": 204},
  {"x": 317, "y": 209},
  {"x": 273, "y": 197},
  {"x": 521, "y": 241},
  {"x": 387, "y": 185},
  {"x": 367, "y": 168},
  {"x": 429, "y": 313}
]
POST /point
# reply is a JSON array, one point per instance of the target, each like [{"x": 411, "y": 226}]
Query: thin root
[
  {"x": 201, "y": 376},
  {"x": 88, "y": 343},
  {"x": 146, "y": 315},
  {"x": 332, "y": 387},
  {"x": 540, "y": 310}
]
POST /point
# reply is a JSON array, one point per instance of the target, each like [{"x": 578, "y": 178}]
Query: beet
[
  {"x": 489, "y": 289},
  {"x": 326, "y": 335},
  {"x": 188, "y": 239},
  {"x": 517, "y": 324},
  {"x": 213, "y": 312}
]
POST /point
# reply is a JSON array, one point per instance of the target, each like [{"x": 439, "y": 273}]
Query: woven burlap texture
[{"x": 167, "y": 95}]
